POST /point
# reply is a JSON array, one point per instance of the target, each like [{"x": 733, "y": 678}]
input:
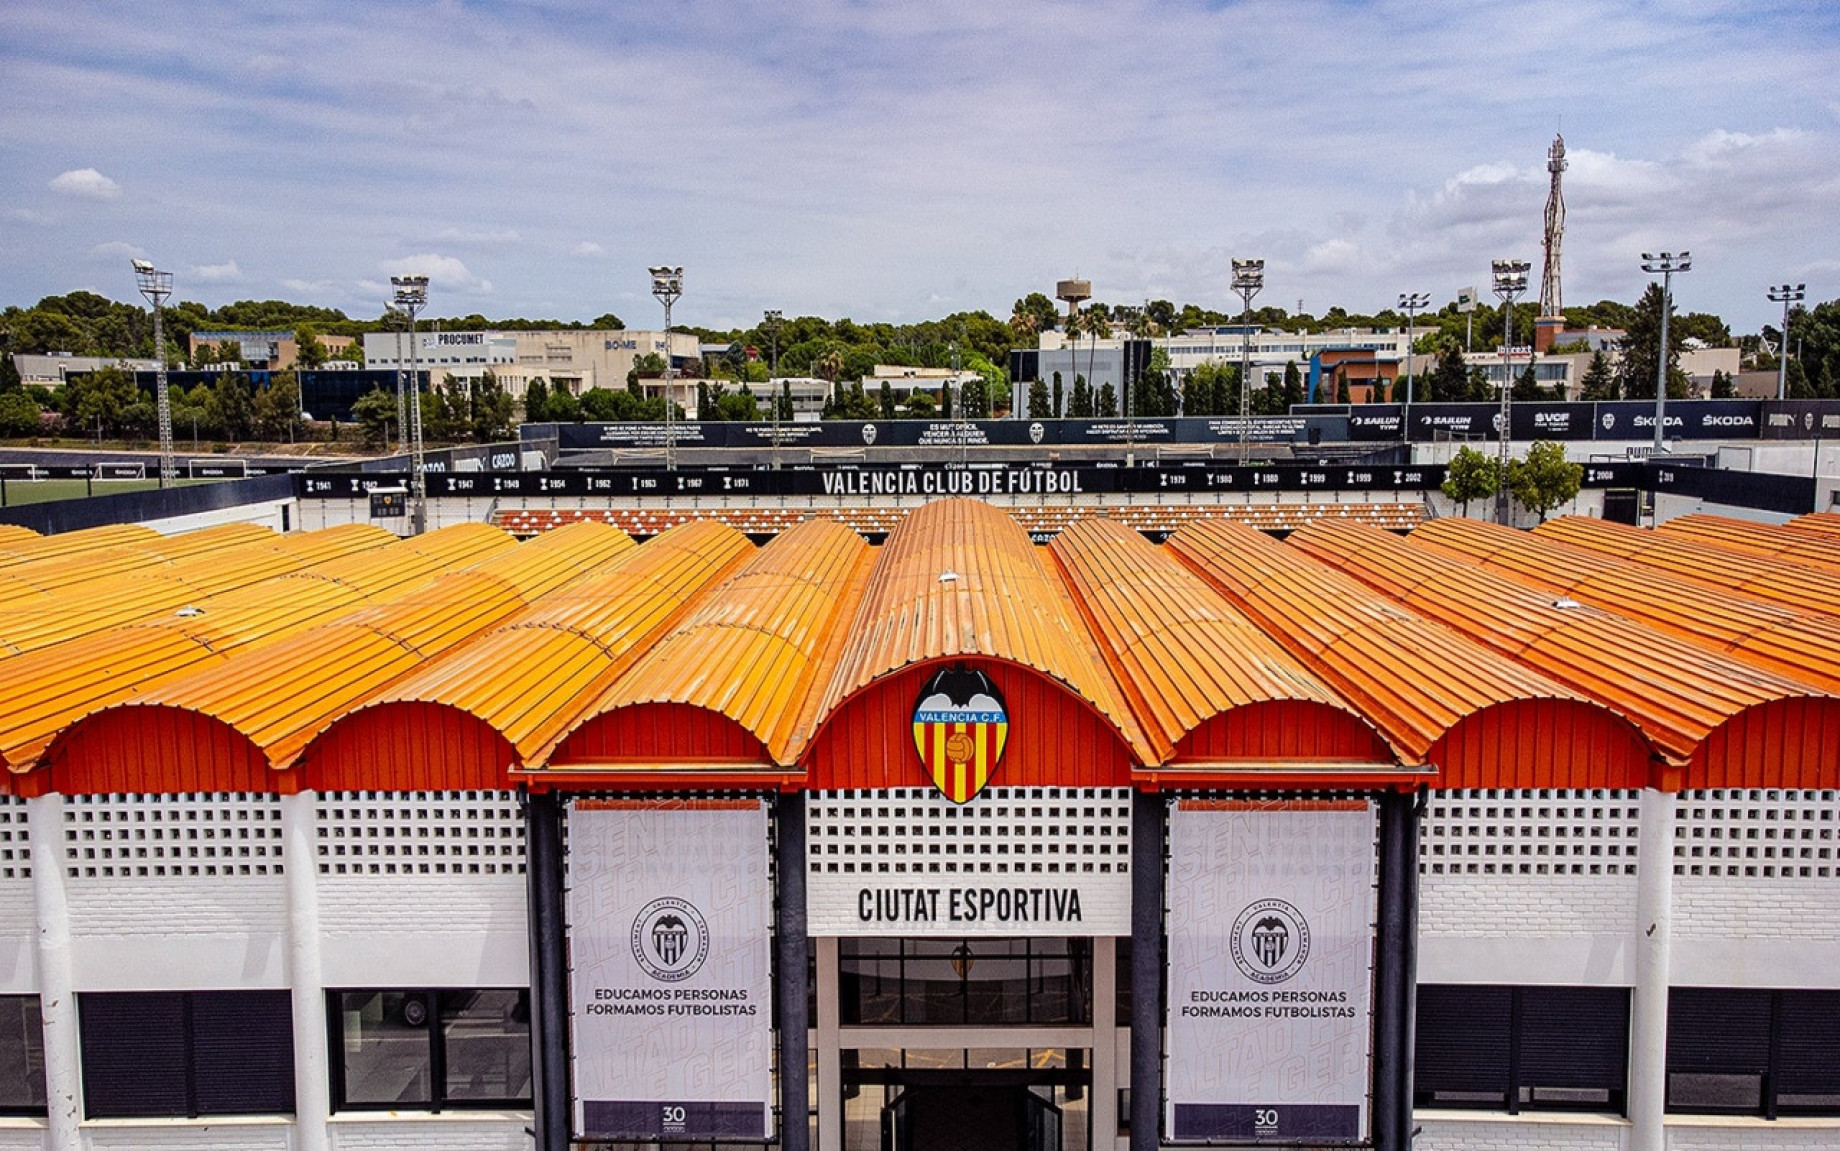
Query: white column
[
  {"x": 830, "y": 1063},
  {"x": 1102, "y": 1109},
  {"x": 1654, "y": 933},
  {"x": 312, "y": 1079},
  {"x": 57, "y": 997}
]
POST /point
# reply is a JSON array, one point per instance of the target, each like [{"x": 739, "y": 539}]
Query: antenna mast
[{"x": 1552, "y": 298}]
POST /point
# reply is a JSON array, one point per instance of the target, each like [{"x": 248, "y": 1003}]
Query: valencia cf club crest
[
  {"x": 960, "y": 727},
  {"x": 670, "y": 939},
  {"x": 1271, "y": 940}
]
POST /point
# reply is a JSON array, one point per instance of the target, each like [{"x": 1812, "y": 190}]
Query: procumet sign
[
  {"x": 669, "y": 929},
  {"x": 960, "y": 729},
  {"x": 1271, "y": 916}
]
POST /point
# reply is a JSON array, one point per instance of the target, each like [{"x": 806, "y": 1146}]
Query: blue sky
[{"x": 897, "y": 161}]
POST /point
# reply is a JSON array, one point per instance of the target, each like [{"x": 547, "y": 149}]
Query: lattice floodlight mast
[
  {"x": 412, "y": 297},
  {"x": 1413, "y": 303},
  {"x": 771, "y": 325},
  {"x": 1510, "y": 280},
  {"x": 1552, "y": 296},
  {"x": 1248, "y": 278},
  {"x": 1667, "y": 263},
  {"x": 668, "y": 285},
  {"x": 157, "y": 286},
  {"x": 1786, "y": 295}
]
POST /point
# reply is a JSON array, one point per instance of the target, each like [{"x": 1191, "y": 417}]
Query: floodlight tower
[
  {"x": 1248, "y": 278},
  {"x": 769, "y": 324},
  {"x": 1552, "y": 298},
  {"x": 1510, "y": 277},
  {"x": 1786, "y": 295},
  {"x": 1667, "y": 263},
  {"x": 668, "y": 285},
  {"x": 412, "y": 297},
  {"x": 157, "y": 287},
  {"x": 1411, "y": 302}
]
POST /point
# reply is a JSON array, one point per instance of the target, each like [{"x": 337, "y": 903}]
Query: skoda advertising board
[
  {"x": 1686, "y": 420},
  {"x": 670, "y": 925},
  {"x": 1271, "y": 937}
]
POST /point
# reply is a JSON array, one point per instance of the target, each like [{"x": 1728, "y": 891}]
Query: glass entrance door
[{"x": 966, "y": 1101}]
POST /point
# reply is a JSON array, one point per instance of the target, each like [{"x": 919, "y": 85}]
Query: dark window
[
  {"x": 22, "y": 1056},
  {"x": 1743, "y": 1051},
  {"x": 1522, "y": 1048},
  {"x": 166, "y": 1054},
  {"x": 970, "y": 981},
  {"x": 429, "y": 1049}
]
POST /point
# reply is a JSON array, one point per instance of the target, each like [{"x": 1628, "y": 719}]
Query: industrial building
[{"x": 1467, "y": 838}]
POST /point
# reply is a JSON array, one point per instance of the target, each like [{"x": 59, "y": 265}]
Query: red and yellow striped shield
[{"x": 960, "y": 728}]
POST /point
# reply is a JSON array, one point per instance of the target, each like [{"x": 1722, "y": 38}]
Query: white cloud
[
  {"x": 118, "y": 250},
  {"x": 27, "y": 216},
  {"x": 309, "y": 287},
  {"x": 445, "y": 273},
  {"x": 589, "y": 248},
  {"x": 478, "y": 236},
  {"x": 86, "y": 184},
  {"x": 224, "y": 273}
]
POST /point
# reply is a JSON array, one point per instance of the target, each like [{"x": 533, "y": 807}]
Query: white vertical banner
[
  {"x": 1271, "y": 939},
  {"x": 670, "y": 925}
]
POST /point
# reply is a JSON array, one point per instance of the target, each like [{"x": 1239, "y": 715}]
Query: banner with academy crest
[
  {"x": 670, "y": 929},
  {"x": 1271, "y": 942}
]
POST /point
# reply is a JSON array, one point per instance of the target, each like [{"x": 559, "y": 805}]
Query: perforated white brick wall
[
  {"x": 1008, "y": 831},
  {"x": 374, "y": 833},
  {"x": 175, "y": 837},
  {"x": 1731, "y": 834},
  {"x": 1533, "y": 1133},
  {"x": 15, "y": 844},
  {"x": 1548, "y": 832},
  {"x": 21, "y": 1138}
]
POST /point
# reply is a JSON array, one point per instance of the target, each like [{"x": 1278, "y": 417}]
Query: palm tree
[{"x": 1097, "y": 325}]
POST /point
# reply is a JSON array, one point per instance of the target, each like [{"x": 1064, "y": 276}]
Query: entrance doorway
[
  {"x": 975, "y": 1100},
  {"x": 970, "y": 1117}
]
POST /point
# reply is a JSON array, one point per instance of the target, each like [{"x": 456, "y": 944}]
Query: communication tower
[{"x": 1552, "y": 297}]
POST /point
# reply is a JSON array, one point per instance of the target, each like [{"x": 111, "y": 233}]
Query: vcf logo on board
[{"x": 960, "y": 728}]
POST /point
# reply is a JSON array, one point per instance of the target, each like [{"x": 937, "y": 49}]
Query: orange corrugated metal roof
[
  {"x": 1727, "y": 573},
  {"x": 43, "y": 691},
  {"x": 1800, "y": 647},
  {"x": 1424, "y": 686},
  {"x": 41, "y": 581},
  {"x": 94, "y": 605},
  {"x": 1821, "y": 523},
  {"x": 959, "y": 578},
  {"x": 1680, "y": 694},
  {"x": 11, "y": 534},
  {"x": 72, "y": 543},
  {"x": 749, "y": 652},
  {"x": 529, "y": 678},
  {"x": 1802, "y": 548},
  {"x": 282, "y": 696},
  {"x": 1181, "y": 652}
]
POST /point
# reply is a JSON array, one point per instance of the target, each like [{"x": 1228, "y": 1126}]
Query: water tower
[{"x": 1075, "y": 292}]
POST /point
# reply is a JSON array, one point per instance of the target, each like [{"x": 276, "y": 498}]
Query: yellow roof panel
[
  {"x": 749, "y": 652},
  {"x": 1182, "y": 653},
  {"x": 71, "y": 543},
  {"x": 959, "y": 578}
]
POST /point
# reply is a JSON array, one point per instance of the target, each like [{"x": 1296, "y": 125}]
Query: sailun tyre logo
[
  {"x": 1271, "y": 941},
  {"x": 670, "y": 939}
]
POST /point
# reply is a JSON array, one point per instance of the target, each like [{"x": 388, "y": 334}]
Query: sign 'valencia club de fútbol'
[{"x": 960, "y": 727}]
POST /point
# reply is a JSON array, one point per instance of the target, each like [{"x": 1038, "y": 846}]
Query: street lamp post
[
  {"x": 1510, "y": 278},
  {"x": 412, "y": 297},
  {"x": 1667, "y": 263},
  {"x": 771, "y": 325},
  {"x": 668, "y": 285},
  {"x": 1786, "y": 295},
  {"x": 1411, "y": 302},
  {"x": 1248, "y": 278},
  {"x": 157, "y": 287}
]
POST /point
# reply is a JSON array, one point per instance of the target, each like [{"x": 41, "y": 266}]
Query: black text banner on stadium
[
  {"x": 1271, "y": 911},
  {"x": 669, "y": 980}
]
